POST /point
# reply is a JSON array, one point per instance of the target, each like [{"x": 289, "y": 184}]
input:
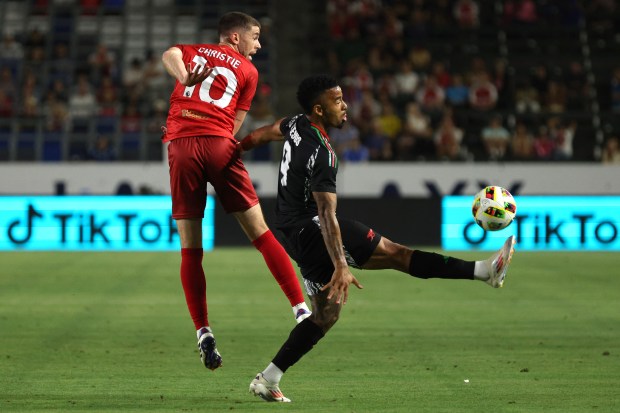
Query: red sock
[
  {"x": 280, "y": 266},
  {"x": 194, "y": 285}
]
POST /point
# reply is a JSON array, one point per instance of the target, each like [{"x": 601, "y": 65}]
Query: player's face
[
  {"x": 248, "y": 42},
  {"x": 334, "y": 108}
]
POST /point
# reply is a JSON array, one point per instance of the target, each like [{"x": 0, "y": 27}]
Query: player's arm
[
  {"x": 263, "y": 135},
  {"x": 239, "y": 118},
  {"x": 330, "y": 229},
  {"x": 181, "y": 71}
]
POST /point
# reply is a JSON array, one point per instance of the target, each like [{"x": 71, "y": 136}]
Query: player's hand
[
  {"x": 339, "y": 285},
  {"x": 197, "y": 74}
]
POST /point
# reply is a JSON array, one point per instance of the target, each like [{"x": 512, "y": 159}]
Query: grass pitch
[{"x": 110, "y": 332}]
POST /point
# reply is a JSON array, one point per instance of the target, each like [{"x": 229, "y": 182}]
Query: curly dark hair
[{"x": 311, "y": 88}]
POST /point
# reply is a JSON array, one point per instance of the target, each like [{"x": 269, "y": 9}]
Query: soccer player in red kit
[{"x": 212, "y": 95}]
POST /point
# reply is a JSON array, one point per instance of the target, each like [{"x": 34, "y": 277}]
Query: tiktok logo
[{"x": 32, "y": 214}]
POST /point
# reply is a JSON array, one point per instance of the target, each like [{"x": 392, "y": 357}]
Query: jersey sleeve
[{"x": 323, "y": 177}]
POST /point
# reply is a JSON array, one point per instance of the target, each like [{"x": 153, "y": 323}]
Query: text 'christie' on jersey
[{"x": 209, "y": 108}]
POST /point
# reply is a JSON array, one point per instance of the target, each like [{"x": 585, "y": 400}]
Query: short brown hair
[{"x": 236, "y": 20}]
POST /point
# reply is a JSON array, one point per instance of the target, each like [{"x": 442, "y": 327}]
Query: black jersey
[{"x": 309, "y": 164}]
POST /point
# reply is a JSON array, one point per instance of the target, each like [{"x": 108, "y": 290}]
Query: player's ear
[
  {"x": 234, "y": 38},
  {"x": 317, "y": 109}
]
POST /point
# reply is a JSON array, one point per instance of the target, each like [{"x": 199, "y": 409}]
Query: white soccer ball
[{"x": 494, "y": 208}]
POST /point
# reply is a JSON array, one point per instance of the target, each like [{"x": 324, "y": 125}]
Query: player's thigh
[
  {"x": 188, "y": 180},
  {"x": 230, "y": 179},
  {"x": 252, "y": 222},
  {"x": 389, "y": 255},
  {"x": 359, "y": 242}
]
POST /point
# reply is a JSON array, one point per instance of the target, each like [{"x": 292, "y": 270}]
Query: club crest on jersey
[{"x": 370, "y": 235}]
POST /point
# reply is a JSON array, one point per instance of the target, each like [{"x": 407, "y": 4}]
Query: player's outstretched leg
[
  {"x": 498, "y": 263},
  {"x": 267, "y": 391},
  {"x": 209, "y": 355}
]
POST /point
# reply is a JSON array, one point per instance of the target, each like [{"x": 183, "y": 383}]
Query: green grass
[{"x": 110, "y": 332}]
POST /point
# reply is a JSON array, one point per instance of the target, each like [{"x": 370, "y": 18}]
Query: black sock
[
  {"x": 301, "y": 340},
  {"x": 430, "y": 265}
]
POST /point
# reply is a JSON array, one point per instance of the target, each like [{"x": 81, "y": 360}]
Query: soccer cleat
[
  {"x": 302, "y": 314},
  {"x": 209, "y": 355},
  {"x": 498, "y": 263},
  {"x": 267, "y": 391}
]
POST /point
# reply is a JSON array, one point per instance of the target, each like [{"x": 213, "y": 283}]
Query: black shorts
[{"x": 307, "y": 247}]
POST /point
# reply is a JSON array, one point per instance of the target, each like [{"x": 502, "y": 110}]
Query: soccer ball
[{"x": 493, "y": 208}]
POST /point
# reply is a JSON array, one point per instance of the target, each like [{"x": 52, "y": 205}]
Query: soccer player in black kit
[{"x": 324, "y": 245}]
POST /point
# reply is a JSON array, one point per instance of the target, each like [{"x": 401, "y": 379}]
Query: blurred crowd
[
  {"x": 68, "y": 94},
  {"x": 420, "y": 84},
  {"x": 413, "y": 98}
]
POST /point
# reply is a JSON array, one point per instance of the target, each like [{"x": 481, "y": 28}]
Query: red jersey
[{"x": 209, "y": 108}]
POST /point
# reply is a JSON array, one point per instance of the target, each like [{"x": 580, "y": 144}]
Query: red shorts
[{"x": 194, "y": 162}]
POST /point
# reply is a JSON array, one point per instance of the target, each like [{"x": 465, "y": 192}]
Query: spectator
[
  {"x": 466, "y": 13},
  {"x": 431, "y": 96},
  {"x": 444, "y": 79},
  {"x": 7, "y": 82},
  {"x": 448, "y": 138},
  {"x": 457, "y": 94},
  {"x": 59, "y": 89},
  {"x": 82, "y": 102},
  {"x": 527, "y": 99},
  {"x": 522, "y": 143},
  {"x": 355, "y": 151},
  {"x": 11, "y": 51},
  {"x": 562, "y": 138},
  {"x": 389, "y": 123},
  {"x": 379, "y": 145},
  {"x": 102, "y": 62},
  {"x": 35, "y": 60},
  {"x": 420, "y": 57},
  {"x": 495, "y": 138},
  {"x": 417, "y": 140},
  {"x": 102, "y": 150},
  {"x": 364, "y": 113},
  {"x": 133, "y": 78},
  {"x": 407, "y": 80},
  {"x": 611, "y": 151},
  {"x": 340, "y": 137},
  {"x": 386, "y": 86},
  {"x": 543, "y": 144},
  {"x": 154, "y": 76},
  {"x": 556, "y": 97},
  {"x": 522, "y": 12},
  {"x": 30, "y": 97},
  {"x": 56, "y": 113},
  {"x": 107, "y": 97},
  {"x": 131, "y": 121},
  {"x": 6, "y": 105},
  {"x": 378, "y": 60},
  {"x": 482, "y": 93}
]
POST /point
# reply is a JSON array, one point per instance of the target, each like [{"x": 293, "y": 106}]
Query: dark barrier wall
[{"x": 408, "y": 221}]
